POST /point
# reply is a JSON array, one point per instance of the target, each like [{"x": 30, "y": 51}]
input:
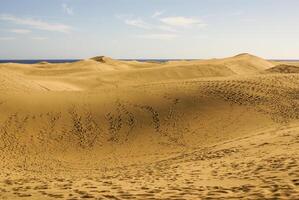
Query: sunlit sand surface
[{"x": 107, "y": 129}]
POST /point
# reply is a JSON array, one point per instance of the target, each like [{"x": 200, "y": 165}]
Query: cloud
[
  {"x": 7, "y": 38},
  {"x": 237, "y": 13},
  {"x": 39, "y": 38},
  {"x": 182, "y": 21},
  {"x": 157, "y": 14},
  {"x": 166, "y": 24},
  {"x": 68, "y": 10},
  {"x": 20, "y": 31},
  {"x": 158, "y": 36},
  {"x": 37, "y": 24},
  {"x": 138, "y": 23},
  {"x": 165, "y": 28}
]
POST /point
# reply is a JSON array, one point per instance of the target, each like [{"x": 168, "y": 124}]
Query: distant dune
[
  {"x": 283, "y": 68},
  {"x": 98, "y": 71},
  {"x": 108, "y": 129}
]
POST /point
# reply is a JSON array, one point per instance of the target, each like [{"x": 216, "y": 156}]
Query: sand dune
[
  {"x": 103, "y": 71},
  {"x": 108, "y": 129},
  {"x": 283, "y": 68}
]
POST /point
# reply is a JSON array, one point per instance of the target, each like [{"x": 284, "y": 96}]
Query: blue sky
[{"x": 57, "y": 29}]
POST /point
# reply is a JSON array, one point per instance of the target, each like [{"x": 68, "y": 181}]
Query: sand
[{"x": 108, "y": 129}]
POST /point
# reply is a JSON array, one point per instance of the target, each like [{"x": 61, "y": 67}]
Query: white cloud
[
  {"x": 166, "y": 24},
  {"x": 158, "y": 36},
  {"x": 37, "y": 24},
  {"x": 237, "y": 13},
  {"x": 165, "y": 28},
  {"x": 157, "y": 14},
  {"x": 20, "y": 31},
  {"x": 7, "y": 38},
  {"x": 39, "y": 38},
  {"x": 138, "y": 23},
  {"x": 182, "y": 21},
  {"x": 68, "y": 10}
]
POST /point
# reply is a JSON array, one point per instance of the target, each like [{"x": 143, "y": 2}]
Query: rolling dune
[{"x": 108, "y": 129}]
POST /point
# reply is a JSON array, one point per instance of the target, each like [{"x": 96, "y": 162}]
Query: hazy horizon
[
  {"x": 131, "y": 59},
  {"x": 131, "y": 29}
]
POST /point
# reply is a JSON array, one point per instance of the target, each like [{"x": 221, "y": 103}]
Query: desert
[{"x": 102, "y": 128}]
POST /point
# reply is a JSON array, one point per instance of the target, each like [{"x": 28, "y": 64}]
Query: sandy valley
[{"x": 108, "y": 129}]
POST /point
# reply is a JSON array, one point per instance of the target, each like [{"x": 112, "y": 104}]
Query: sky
[{"x": 148, "y": 29}]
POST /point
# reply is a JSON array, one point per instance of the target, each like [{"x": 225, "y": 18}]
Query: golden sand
[{"x": 108, "y": 129}]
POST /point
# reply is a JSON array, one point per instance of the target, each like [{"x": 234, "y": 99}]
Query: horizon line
[{"x": 54, "y": 59}]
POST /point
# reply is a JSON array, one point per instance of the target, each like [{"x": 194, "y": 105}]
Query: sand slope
[
  {"x": 108, "y": 129},
  {"x": 283, "y": 68},
  {"x": 103, "y": 71}
]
